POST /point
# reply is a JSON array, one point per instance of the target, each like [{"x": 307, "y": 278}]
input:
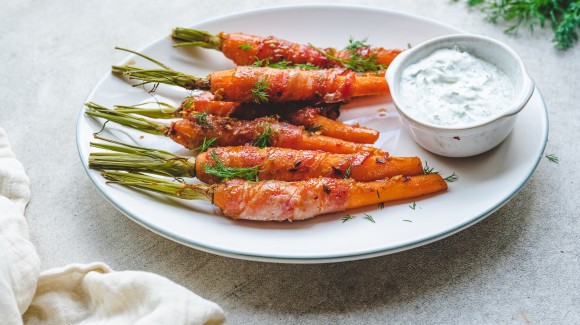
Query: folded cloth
[{"x": 88, "y": 294}]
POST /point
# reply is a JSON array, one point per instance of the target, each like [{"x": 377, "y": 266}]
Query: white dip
[{"x": 450, "y": 87}]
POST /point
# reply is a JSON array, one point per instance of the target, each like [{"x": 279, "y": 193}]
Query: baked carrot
[
  {"x": 308, "y": 117},
  {"x": 244, "y": 49},
  {"x": 247, "y": 84},
  {"x": 287, "y": 201},
  {"x": 311, "y": 120},
  {"x": 252, "y": 163},
  {"x": 261, "y": 132}
]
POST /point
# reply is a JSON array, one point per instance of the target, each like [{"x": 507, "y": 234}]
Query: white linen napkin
[{"x": 87, "y": 294}]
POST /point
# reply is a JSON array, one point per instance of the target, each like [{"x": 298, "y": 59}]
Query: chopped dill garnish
[
  {"x": 369, "y": 218},
  {"x": 407, "y": 220},
  {"x": 206, "y": 144},
  {"x": 202, "y": 119},
  {"x": 259, "y": 94},
  {"x": 429, "y": 170},
  {"x": 451, "y": 178},
  {"x": 263, "y": 139},
  {"x": 313, "y": 129},
  {"x": 413, "y": 205},
  {"x": 553, "y": 158},
  {"x": 378, "y": 195},
  {"x": 283, "y": 65},
  {"x": 246, "y": 47},
  {"x": 409, "y": 45},
  {"x": 280, "y": 65},
  {"x": 347, "y": 172},
  {"x": 347, "y": 218},
  {"x": 224, "y": 172},
  {"x": 381, "y": 205},
  {"x": 307, "y": 66},
  {"x": 356, "y": 61},
  {"x": 355, "y": 45}
]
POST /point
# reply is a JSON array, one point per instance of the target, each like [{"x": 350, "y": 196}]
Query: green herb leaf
[
  {"x": 206, "y": 144},
  {"x": 407, "y": 220},
  {"x": 313, "y": 129},
  {"x": 347, "y": 173},
  {"x": 246, "y": 47},
  {"x": 451, "y": 178},
  {"x": 202, "y": 119},
  {"x": 413, "y": 205},
  {"x": 381, "y": 205},
  {"x": 259, "y": 92},
  {"x": 347, "y": 218},
  {"x": 225, "y": 172},
  {"x": 553, "y": 158},
  {"x": 263, "y": 139},
  {"x": 369, "y": 218}
]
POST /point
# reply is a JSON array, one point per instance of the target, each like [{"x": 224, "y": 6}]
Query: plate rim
[{"x": 327, "y": 258}]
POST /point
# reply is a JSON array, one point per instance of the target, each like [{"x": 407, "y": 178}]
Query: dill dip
[{"x": 454, "y": 88}]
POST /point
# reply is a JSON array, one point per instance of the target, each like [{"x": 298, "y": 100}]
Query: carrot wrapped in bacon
[
  {"x": 268, "y": 85},
  {"x": 261, "y": 132},
  {"x": 252, "y": 163},
  {"x": 287, "y": 201},
  {"x": 245, "y": 49},
  {"x": 308, "y": 117}
]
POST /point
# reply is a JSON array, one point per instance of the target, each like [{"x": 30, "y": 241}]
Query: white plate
[{"x": 485, "y": 183}]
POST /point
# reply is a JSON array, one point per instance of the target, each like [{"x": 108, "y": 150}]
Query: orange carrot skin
[
  {"x": 214, "y": 107},
  {"x": 288, "y": 201},
  {"x": 246, "y": 49},
  {"x": 232, "y": 132},
  {"x": 309, "y": 118},
  {"x": 294, "y": 165},
  {"x": 287, "y": 85}
]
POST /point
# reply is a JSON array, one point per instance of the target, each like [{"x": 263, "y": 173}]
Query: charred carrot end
[{"x": 396, "y": 188}]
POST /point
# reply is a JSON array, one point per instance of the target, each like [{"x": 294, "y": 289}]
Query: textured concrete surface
[{"x": 518, "y": 266}]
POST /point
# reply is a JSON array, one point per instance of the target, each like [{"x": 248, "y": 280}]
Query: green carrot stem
[
  {"x": 193, "y": 37},
  {"x": 175, "y": 189},
  {"x": 165, "y": 111},
  {"x": 138, "y": 159},
  {"x": 128, "y": 120},
  {"x": 164, "y": 76}
]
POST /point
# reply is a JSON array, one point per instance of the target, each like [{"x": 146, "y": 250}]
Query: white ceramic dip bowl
[{"x": 463, "y": 140}]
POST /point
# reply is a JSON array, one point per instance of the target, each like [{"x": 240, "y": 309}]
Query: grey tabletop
[{"x": 520, "y": 265}]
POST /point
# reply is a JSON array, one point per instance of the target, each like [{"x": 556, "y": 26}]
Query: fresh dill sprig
[
  {"x": 451, "y": 178},
  {"x": 259, "y": 94},
  {"x": 263, "y": 139},
  {"x": 347, "y": 172},
  {"x": 553, "y": 158},
  {"x": 369, "y": 218},
  {"x": 381, "y": 205},
  {"x": 306, "y": 66},
  {"x": 283, "y": 65},
  {"x": 246, "y": 47},
  {"x": 225, "y": 172},
  {"x": 356, "y": 61},
  {"x": 206, "y": 144},
  {"x": 347, "y": 218},
  {"x": 313, "y": 129},
  {"x": 562, "y": 15},
  {"x": 355, "y": 45},
  {"x": 202, "y": 119},
  {"x": 429, "y": 170},
  {"x": 413, "y": 205}
]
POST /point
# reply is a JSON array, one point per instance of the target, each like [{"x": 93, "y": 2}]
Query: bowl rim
[{"x": 523, "y": 96}]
